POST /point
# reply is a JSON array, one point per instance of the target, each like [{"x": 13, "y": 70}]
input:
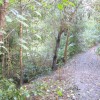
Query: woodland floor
[{"x": 78, "y": 80}]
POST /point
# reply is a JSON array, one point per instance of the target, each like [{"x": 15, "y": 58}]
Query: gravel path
[
  {"x": 86, "y": 75},
  {"x": 80, "y": 79}
]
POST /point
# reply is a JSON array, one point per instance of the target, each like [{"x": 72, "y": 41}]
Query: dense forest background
[{"x": 38, "y": 36}]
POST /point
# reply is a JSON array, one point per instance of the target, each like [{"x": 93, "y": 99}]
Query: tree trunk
[
  {"x": 70, "y": 20},
  {"x": 3, "y": 9},
  {"x": 21, "y": 52},
  {"x": 54, "y": 66},
  {"x": 66, "y": 47}
]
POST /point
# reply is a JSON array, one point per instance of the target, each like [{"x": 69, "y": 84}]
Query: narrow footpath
[{"x": 86, "y": 75}]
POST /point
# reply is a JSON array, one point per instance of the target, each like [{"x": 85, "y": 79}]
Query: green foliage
[
  {"x": 65, "y": 3},
  {"x": 59, "y": 92},
  {"x": 12, "y": 1},
  {"x": 4, "y": 49},
  {"x": 1, "y": 2},
  {"x": 8, "y": 19},
  {"x": 90, "y": 35},
  {"x": 60, "y": 6},
  {"x": 2, "y": 31},
  {"x": 43, "y": 88},
  {"x": 73, "y": 46},
  {"x": 98, "y": 51},
  {"x": 40, "y": 88},
  {"x": 8, "y": 91},
  {"x": 34, "y": 72}
]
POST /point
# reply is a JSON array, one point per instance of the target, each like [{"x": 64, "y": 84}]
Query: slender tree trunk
[
  {"x": 54, "y": 67},
  {"x": 66, "y": 47},
  {"x": 21, "y": 58},
  {"x": 21, "y": 52},
  {"x": 3, "y": 8},
  {"x": 8, "y": 58},
  {"x": 68, "y": 35}
]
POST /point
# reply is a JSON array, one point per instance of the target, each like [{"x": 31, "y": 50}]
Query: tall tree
[
  {"x": 54, "y": 66},
  {"x": 21, "y": 52},
  {"x": 3, "y": 9},
  {"x": 68, "y": 32}
]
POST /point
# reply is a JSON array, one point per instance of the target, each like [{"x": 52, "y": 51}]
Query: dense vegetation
[{"x": 38, "y": 36}]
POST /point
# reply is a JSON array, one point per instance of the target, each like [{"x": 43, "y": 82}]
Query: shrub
[
  {"x": 32, "y": 72},
  {"x": 98, "y": 51},
  {"x": 8, "y": 91}
]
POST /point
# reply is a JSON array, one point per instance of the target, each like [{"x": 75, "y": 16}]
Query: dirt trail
[
  {"x": 80, "y": 79},
  {"x": 86, "y": 75}
]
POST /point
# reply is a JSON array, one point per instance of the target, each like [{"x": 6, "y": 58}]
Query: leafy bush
[
  {"x": 73, "y": 47},
  {"x": 90, "y": 39},
  {"x": 40, "y": 88},
  {"x": 8, "y": 91},
  {"x": 98, "y": 51},
  {"x": 90, "y": 35},
  {"x": 32, "y": 72}
]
